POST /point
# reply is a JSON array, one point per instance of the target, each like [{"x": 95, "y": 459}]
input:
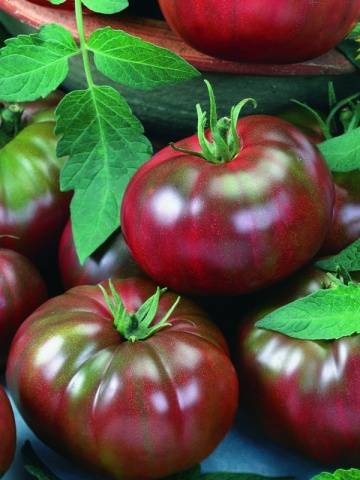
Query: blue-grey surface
[{"x": 243, "y": 450}]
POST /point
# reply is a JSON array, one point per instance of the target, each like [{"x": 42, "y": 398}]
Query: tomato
[
  {"x": 33, "y": 211},
  {"x": 278, "y": 32},
  {"x": 230, "y": 227},
  {"x": 345, "y": 227},
  {"x": 112, "y": 259},
  {"x": 139, "y": 409},
  {"x": 21, "y": 291},
  {"x": 8, "y": 433},
  {"x": 305, "y": 394}
]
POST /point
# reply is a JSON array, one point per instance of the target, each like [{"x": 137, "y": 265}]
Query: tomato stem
[
  {"x": 225, "y": 142},
  {"x": 135, "y": 326},
  {"x": 83, "y": 43}
]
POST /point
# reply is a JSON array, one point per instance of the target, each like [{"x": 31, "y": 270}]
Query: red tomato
[
  {"x": 305, "y": 394},
  {"x": 8, "y": 433},
  {"x": 133, "y": 410},
  {"x": 111, "y": 260},
  {"x": 33, "y": 211},
  {"x": 232, "y": 227},
  {"x": 21, "y": 291},
  {"x": 277, "y": 31},
  {"x": 345, "y": 227}
]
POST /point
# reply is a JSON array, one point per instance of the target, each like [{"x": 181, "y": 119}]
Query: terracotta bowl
[{"x": 171, "y": 110}]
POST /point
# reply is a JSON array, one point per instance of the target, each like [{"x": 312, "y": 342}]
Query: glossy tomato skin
[
  {"x": 278, "y": 32},
  {"x": 111, "y": 260},
  {"x": 235, "y": 227},
  {"x": 345, "y": 227},
  {"x": 22, "y": 290},
  {"x": 305, "y": 394},
  {"x": 8, "y": 432},
  {"x": 33, "y": 211},
  {"x": 131, "y": 410}
]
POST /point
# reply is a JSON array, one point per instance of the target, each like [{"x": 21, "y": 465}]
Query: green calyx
[
  {"x": 225, "y": 142},
  {"x": 137, "y": 325},
  {"x": 10, "y": 123}
]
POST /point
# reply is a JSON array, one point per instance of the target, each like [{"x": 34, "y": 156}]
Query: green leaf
[
  {"x": 352, "y": 474},
  {"x": 324, "y": 315},
  {"x": 57, "y": 2},
  {"x": 34, "y": 466},
  {"x": 355, "y": 32},
  {"x": 105, "y": 145},
  {"x": 106, "y": 6},
  {"x": 131, "y": 61},
  {"x": 32, "y": 66},
  {"x": 342, "y": 153},
  {"x": 349, "y": 258}
]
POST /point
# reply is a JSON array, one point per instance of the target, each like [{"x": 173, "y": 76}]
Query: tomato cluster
[{"x": 123, "y": 375}]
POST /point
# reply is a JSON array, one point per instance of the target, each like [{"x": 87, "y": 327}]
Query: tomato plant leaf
[
  {"x": 106, "y": 6},
  {"x": 105, "y": 145},
  {"x": 131, "y": 61},
  {"x": 32, "y": 66},
  {"x": 57, "y": 2},
  {"x": 193, "y": 473},
  {"x": 324, "y": 315},
  {"x": 352, "y": 474},
  {"x": 34, "y": 466},
  {"x": 349, "y": 258},
  {"x": 342, "y": 153}
]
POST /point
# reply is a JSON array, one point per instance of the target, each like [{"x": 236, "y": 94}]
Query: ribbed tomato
[
  {"x": 22, "y": 290},
  {"x": 111, "y": 260},
  {"x": 229, "y": 225},
  {"x": 33, "y": 211},
  {"x": 141, "y": 408},
  {"x": 275, "y": 31},
  {"x": 8, "y": 433},
  {"x": 305, "y": 394}
]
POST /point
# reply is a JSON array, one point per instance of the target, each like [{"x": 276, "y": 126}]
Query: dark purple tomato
[
  {"x": 305, "y": 394},
  {"x": 111, "y": 260},
  {"x": 232, "y": 227},
  {"x": 22, "y": 290},
  {"x": 277, "y": 31},
  {"x": 133, "y": 410},
  {"x": 33, "y": 211},
  {"x": 8, "y": 433},
  {"x": 345, "y": 227}
]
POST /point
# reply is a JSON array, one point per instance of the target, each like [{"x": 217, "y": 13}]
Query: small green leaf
[
  {"x": 324, "y": 315},
  {"x": 106, "y": 6},
  {"x": 34, "y": 466},
  {"x": 349, "y": 258},
  {"x": 131, "y": 61},
  {"x": 342, "y": 153},
  {"x": 32, "y": 66},
  {"x": 105, "y": 145},
  {"x": 57, "y": 2},
  {"x": 352, "y": 474}
]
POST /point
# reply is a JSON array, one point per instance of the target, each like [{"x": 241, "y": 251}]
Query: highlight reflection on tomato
[{"x": 133, "y": 410}]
